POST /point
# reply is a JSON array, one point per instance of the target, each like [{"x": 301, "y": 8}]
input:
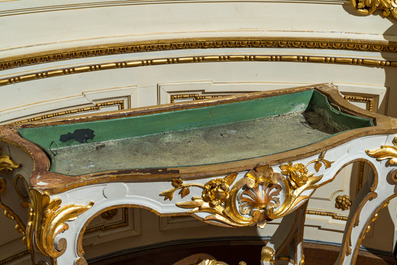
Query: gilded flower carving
[
  {"x": 261, "y": 195},
  {"x": 215, "y": 192},
  {"x": 297, "y": 174}
]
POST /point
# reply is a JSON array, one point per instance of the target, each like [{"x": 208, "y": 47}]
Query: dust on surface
[{"x": 206, "y": 145}]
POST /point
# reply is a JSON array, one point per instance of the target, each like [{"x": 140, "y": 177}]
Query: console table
[{"x": 236, "y": 161}]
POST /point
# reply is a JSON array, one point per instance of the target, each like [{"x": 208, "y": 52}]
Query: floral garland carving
[{"x": 260, "y": 196}]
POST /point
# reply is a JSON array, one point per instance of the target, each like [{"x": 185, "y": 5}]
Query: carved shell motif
[
  {"x": 262, "y": 194},
  {"x": 260, "y": 197}
]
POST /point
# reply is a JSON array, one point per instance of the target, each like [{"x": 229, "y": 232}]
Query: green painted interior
[
  {"x": 188, "y": 119},
  {"x": 171, "y": 121},
  {"x": 346, "y": 121}
]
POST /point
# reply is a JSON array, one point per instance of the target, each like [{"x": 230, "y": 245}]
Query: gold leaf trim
[
  {"x": 329, "y": 214},
  {"x": 122, "y": 223},
  {"x": 192, "y": 96},
  {"x": 254, "y": 199},
  {"x": 267, "y": 254},
  {"x": 208, "y": 43},
  {"x": 14, "y": 257},
  {"x": 46, "y": 220},
  {"x": 196, "y": 59},
  {"x": 368, "y": 100},
  {"x": 97, "y": 106}
]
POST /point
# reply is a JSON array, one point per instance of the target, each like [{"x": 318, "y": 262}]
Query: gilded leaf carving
[
  {"x": 385, "y": 152},
  {"x": 7, "y": 164},
  {"x": 47, "y": 219},
  {"x": 367, "y": 7},
  {"x": 260, "y": 196}
]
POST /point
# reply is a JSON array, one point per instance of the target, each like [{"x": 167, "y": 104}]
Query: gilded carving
[
  {"x": 47, "y": 220},
  {"x": 385, "y": 152},
  {"x": 210, "y": 262},
  {"x": 368, "y": 100},
  {"x": 192, "y": 96},
  {"x": 260, "y": 196},
  {"x": 343, "y": 202},
  {"x": 108, "y": 215},
  {"x": 209, "y": 43},
  {"x": 367, "y": 7},
  {"x": 214, "y": 262},
  {"x": 7, "y": 164},
  {"x": 97, "y": 106},
  {"x": 80, "y": 261},
  {"x": 2, "y": 185},
  {"x": 196, "y": 59},
  {"x": 267, "y": 254},
  {"x": 329, "y": 214}
]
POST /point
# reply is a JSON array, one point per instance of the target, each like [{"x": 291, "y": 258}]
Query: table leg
[{"x": 286, "y": 243}]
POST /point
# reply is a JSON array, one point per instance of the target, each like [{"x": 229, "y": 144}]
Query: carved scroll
[{"x": 260, "y": 196}]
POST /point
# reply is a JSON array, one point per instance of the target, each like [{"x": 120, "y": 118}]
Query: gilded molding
[
  {"x": 209, "y": 262},
  {"x": 108, "y": 215},
  {"x": 256, "y": 198},
  {"x": 191, "y": 96},
  {"x": 46, "y": 220},
  {"x": 208, "y": 43},
  {"x": 369, "y": 101},
  {"x": 196, "y": 59},
  {"x": 370, "y": 221},
  {"x": 367, "y": 7},
  {"x": 97, "y": 106},
  {"x": 14, "y": 257},
  {"x": 329, "y": 214},
  {"x": 122, "y": 223}
]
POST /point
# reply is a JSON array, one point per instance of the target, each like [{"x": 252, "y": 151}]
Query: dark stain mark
[
  {"x": 99, "y": 146},
  {"x": 80, "y": 135}
]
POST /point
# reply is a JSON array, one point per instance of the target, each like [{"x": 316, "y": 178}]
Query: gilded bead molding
[
  {"x": 207, "y": 43},
  {"x": 196, "y": 59}
]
